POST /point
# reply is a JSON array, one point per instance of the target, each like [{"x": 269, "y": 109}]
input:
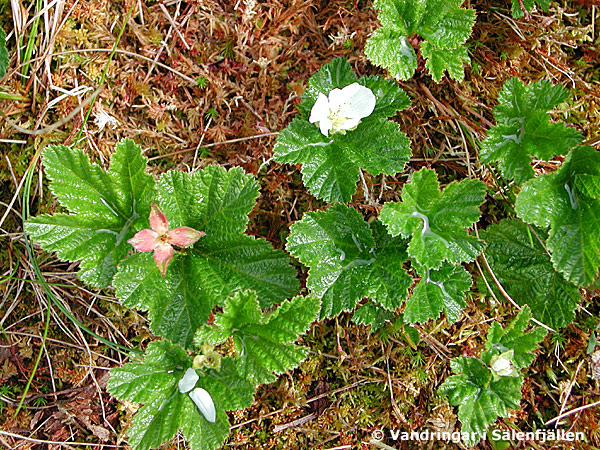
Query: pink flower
[{"x": 160, "y": 239}]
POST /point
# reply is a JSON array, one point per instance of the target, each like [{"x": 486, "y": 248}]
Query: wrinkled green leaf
[
  {"x": 558, "y": 200},
  {"x": 435, "y": 221},
  {"x": 107, "y": 208},
  {"x": 349, "y": 260},
  {"x": 264, "y": 343},
  {"x": 523, "y": 267},
  {"x": 373, "y": 315},
  {"x": 480, "y": 398},
  {"x": 331, "y": 164},
  {"x": 222, "y": 262},
  {"x": 390, "y": 49},
  {"x": 443, "y": 25},
  {"x": 214, "y": 200},
  {"x": 439, "y": 290},
  {"x": 514, "y": 338},
  {"x": 524, "y": 129},
  {"x": 439, "y": 60},
  {"x": 165, "y": 410}
]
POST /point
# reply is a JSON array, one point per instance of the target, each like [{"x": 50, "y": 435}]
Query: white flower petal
[
  {"x": 325, "y": 126},
  {"x": 205, "y": 404},
  {"x": 188, "y": 381},
  {"x": 360, "y": 102},
  {"x": 349, "y": 124},
  {"x": 337, "y": 97},
  {"x": 320, "y": 109}
]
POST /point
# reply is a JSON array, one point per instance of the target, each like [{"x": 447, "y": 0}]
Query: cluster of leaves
[
  {"x": 264, "y": 348},
  {"x": 481, "y": 394},
  {"x": 350, "y": 259},
  {"x": 566, "y": 201},
  {"x": 225, "y": 260},
  {"x": 440, "y": 27},
  {"x": 331, "y": 164},
  {"x": 108, "y": 208},
  {"x": 523, "y": 129},
  {"x": 435, "y": 222},
  {"x": 154, "y": 383}
]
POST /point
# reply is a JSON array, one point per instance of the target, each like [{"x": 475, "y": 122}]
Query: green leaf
[
  {"x": 524, "y": 130},
  {"x": 177, "y": 303},
  {"x": 3, "y": 54},
  {"x": 443, "y": 25},
  {"x": 517, "y": 12},
  {"x": 348, "y": 260},
  {"x": 224, "y": 261},
  {"x": 165, "y": 410},
  {"x": 523, "y": 267},
  {"x": 214, "y": 200},
  {"x": 450, "y": 60},
  {"x": 387, "y": 282},
  {"x": 390, "y": 49},
  {"x": 480, "y": 398},
  {"x": 331, "y": 164},
  {"x": 559, "y": 201},
  {"x": 514, "y": 338},
  {"x": 106, "y": 208},
  {"x": 588, "y": 185},
  {"x": 373, "y": 315},
  {"x": 435, "y": 221},
  {"x": 264, "y": 344},
  {"x": 439, "y": 290}
]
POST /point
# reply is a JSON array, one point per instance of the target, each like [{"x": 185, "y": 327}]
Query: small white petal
[
  {"x": 325, "y": 126},
  {"x": 205, "y": 404},
  {"x": 320, "y": 109},
  {"x": 349, "y": 124},
  {"x": 188, "y": 381}
]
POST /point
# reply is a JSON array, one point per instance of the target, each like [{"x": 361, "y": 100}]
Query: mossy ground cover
[{"x": 204, "y": 82}]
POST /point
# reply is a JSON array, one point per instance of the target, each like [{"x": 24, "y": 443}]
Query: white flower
[
  {"x": 188, "y": 381},
  {"x": 205, "y": 404},
  {"x": 343, "y": 109},
  {"x": 501, "y": 364}
]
